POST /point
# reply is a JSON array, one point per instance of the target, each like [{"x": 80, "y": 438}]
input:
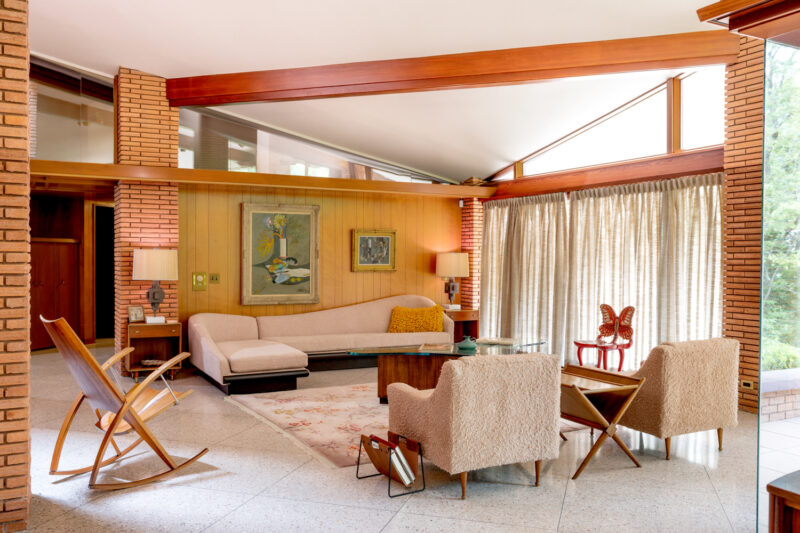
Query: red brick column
[
  {"x": 744, "y": 122},
  {"x": 471, "y": 238},
  {"x": 145, "y": 213},
  {"x": 14, "y": 269}
]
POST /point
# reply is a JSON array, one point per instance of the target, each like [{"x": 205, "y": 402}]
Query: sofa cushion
[
  {"x": 222, "y": 327},
  {"x": 368, "y": 317},
  {"x": 261, "y": 356},
  {"x": 416, "y": 320},
  {"x": 345, "y": 342}
]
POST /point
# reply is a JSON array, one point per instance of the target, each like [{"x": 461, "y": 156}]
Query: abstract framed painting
[
  {"x": 280, "y": 254},
  {"x": 374, "y": 249}
]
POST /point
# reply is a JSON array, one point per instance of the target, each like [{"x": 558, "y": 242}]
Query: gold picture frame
[
  {"x": 373, "y": 249},
  {"x": 280, "y": 254}
]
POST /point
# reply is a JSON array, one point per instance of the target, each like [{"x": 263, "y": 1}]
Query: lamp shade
[
  {"x": 155, "y": 264},
  {"x": 452, "y": 265}
]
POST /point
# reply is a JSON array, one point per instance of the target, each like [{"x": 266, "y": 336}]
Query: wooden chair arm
[
  {"x": 116, "y": 357},
  {"x": 154, "y": 375}
]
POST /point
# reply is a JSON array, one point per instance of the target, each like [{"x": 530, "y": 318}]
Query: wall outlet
[
  {"x": 199, "y": 281},
  {"x": 747, "y": 384},
  {"x": 213, "y": 278}
]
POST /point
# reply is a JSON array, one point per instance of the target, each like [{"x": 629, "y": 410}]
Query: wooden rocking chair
[{"x": 117, "y": 412}]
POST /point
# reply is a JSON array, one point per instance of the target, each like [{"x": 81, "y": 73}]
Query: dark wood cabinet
[
  {"x": 54, "y": 286},
  {"x": 154, "y": 342},
  {"x": 466, "y": 323}
]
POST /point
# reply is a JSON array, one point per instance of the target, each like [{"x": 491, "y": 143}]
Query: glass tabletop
[{"x": 451, "y": 349}]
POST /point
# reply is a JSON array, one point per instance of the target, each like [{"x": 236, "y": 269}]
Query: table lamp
[
  {"x": 155, "y": 265},
  {"x": 452, "y": 265}
]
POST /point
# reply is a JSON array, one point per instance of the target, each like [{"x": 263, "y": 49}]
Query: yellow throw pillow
[{"x": 416, "y": 320}]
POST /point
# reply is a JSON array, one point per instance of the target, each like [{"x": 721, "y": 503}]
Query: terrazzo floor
[{"x": 255, "y": 479}]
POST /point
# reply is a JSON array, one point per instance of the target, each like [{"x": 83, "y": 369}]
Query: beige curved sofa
[{"x": 247, "y": 354}]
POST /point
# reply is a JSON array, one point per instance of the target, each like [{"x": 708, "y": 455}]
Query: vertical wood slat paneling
[{"x": 210, "y": 230}]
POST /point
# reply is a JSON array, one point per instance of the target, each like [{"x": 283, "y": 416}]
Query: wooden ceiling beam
[
  {"x": 454, "y": 71},
  {"x": 51, "y": 174},
  {"x": 652, "y": 168}
]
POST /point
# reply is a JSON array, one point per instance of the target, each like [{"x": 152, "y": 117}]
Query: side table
[
  {"x": 466, "y": 322},
  {"x": 784, "y": 503},
  {"x": 152, "y": 341}
]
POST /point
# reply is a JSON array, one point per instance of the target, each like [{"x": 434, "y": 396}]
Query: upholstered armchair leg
[
  {"x": 538, "y": 470},
  {"x": 719, "y": 438},
  {"x": 464, "y": 485},
  {"x": 667, "y": 441}
]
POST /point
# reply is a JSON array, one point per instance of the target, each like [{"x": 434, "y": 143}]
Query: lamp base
[
  {"x": 452, "y": 307},
  {"x": 155, "y": 320}
]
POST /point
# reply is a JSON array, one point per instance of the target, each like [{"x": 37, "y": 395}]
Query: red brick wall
[
  {"x": 14, "y": 268},
  {"x": 145, "y": 214},
  {"x": 744, "y": 121},
  {"x": 147, "y": 127},
  {"x": 471, "y": 237}
]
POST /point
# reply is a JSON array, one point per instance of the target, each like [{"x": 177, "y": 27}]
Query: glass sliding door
[{"x": 779, "y": 383}]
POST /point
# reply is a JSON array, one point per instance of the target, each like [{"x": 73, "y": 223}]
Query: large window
[
  {"x": 691, "y": 102},
  {"x": 213, "y": 141},
  {"x": 69, "y": 126},
  {"x": 549, "y": 261}
]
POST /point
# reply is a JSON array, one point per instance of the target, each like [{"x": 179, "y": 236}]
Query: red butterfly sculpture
[{"x": 618, "y": 326}]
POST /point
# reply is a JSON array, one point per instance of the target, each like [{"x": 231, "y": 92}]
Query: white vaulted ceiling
[{"x": 455, "y": 134}]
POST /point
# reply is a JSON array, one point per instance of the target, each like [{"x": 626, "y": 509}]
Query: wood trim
[
  {"x": 88, "y": 312},
  {"x": 45, "y": 172},
  {"x": 453, "y": 71},
  {"x": 652, "y": 168},
  {"x": 725, "y": 8},
  {"x": 56, "y": 240},
  {"x": 674, "y": 115},
  {"x": 765, "y": 19}
]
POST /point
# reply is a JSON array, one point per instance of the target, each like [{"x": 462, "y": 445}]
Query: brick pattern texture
[
  {"x": 14, "y": 268},
  {"x": 147, "y": 127},
  {"x": 780, "y": 405},
  {"x": 471, "y": 238},
  {"x": 744, "y": 120},
  {"x": 145, "y": 213}
]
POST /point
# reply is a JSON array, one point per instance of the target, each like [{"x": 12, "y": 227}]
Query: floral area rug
[{"x": 329, "y": 420}]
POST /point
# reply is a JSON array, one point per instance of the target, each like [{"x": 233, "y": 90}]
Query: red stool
[{"x": 602, "y": 351}]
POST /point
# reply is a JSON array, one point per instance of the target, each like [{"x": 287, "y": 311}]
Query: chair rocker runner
[{"x": 117, "y": 412}]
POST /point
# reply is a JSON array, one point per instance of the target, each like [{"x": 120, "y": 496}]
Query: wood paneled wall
[{"x": 210, "y": 241}]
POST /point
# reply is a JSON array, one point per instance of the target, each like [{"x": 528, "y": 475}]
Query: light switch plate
[
  {"x": 213, "y": 278},
  {"x": 199, "y": 281}
]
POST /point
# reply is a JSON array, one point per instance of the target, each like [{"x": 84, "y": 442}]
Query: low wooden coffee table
[
  {"x": 598, "y": 399},
  {"x": 420, "y": 366}
]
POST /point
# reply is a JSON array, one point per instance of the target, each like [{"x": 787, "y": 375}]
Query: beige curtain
[
  {"x": 549, "y": 262},
  {"x": 614, "y": 241},
  {"x": 524, "y": 249}
]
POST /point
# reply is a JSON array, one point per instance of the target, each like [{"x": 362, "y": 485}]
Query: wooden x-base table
[{"x": 597, "y": 399}]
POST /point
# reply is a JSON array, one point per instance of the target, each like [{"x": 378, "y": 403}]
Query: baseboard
[{"x": 254, "y": 383}]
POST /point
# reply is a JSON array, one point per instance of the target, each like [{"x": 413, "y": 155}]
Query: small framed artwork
[
  {"x": 374, "y": 249},
  {"x": 135, "y": 313}
]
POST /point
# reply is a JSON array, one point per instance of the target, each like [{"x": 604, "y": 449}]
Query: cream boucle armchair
[
  {"x": 689, "y": 386},
  {"x": 485, "y": 411}
]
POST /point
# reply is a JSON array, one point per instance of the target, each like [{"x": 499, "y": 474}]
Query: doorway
[{"x": 104, "y": 271}]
